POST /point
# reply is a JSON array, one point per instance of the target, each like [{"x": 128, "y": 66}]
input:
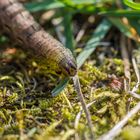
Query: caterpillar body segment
[{"x": 20, "y": 25}]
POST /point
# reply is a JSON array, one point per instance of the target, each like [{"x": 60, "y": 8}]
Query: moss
[
  {"x": 131, "y": 133},
  {"x": 28, "y": 110}
]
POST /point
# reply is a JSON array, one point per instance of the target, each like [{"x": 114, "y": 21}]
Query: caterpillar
[{"x": 16, "y": 21}]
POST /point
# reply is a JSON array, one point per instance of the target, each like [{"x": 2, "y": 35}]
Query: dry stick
[
  {"x": 135, "y": 88},
  {"x": 78, "y": 116},
  {"x": 67, "y": 100},
  {"x": 127, "y": 68},
  {"x": 80, "y": 113},
  {"x": 117, "y": 128},
  {"x": 81, "y": 32},
  {"x": 78, "y": 90},
  {"x": 125, "y": 60},
  {"x": 136, "y": 69},
  {"x": 58, "y": 28}
]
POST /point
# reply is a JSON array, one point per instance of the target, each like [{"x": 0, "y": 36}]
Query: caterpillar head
[
  {"x": 68, "y": 64},
  {"x": 61, "y": 60}
]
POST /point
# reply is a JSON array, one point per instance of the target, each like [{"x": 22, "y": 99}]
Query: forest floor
[{"x": 109, "y": 81}]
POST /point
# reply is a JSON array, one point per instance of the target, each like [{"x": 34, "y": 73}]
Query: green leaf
[
  {"x": 45, "y": 5},
  {"x": 60, "y": 87},
  {"x": 82, "y": 5},
  {"x": 83, "y": 2},
  {"x": 125, "y": 29},
  {"x": 93, "y": 42},
  {"x": 135, "y": 23},
  {"x": 67, "y": 21},
  {"x": 132, "y": 4},
  {"x": 121, "y": 13}
]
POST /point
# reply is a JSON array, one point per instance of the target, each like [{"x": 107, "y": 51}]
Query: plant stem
[{"x": 80, "y": 95}]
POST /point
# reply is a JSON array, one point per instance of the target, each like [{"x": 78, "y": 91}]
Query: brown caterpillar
[{"x": 18, "y": 22}]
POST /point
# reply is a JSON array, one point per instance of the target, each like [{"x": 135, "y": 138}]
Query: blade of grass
[
  {"x": 67, "y": 22},
  {"x": 52, "y": 4},
  {"x": 93, "y": 42},
  {"x": 121, "y": 13},
  {"x": 60, "y": 87},
  {"x": 135, "y": 23},
  {"x": 45, "y": 5},
  {"x": 132, "y": 4},
  {"x": 125, "y": 29}
]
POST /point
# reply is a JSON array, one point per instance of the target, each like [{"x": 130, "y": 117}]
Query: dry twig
[
  {"x": 78, "y": 116},
  {"x": 125, "y": 57},
  {"x": 135, "y": 88},
  {"x": 118, "y": 127},
  {"x": 80, "y": 95}
]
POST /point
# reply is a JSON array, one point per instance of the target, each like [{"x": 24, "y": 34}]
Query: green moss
[
  {"x": 36, "y": 115},
  {"x": 28, "y": 111},
  {"x": 131, "y": 133}
]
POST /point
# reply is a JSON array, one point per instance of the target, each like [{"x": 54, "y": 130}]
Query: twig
[
  {"x": 84, "y": 27},
  {"x": 78, "y": 90},
  {"x": 58, "y": 28},
  {"x": 135, "y": 88},
  {"x": 77, "y": 119},
  {"x": 80, "y": 113},
  {"x": 126, "y": 62},
  {"x": 67, "y": 100},
  {"x": 136, "y": 69},
  {"x": 81, "y": 32},
  {"x": 134, "y": 94},
  {"x": 117, "y": 128},
  {"x": 127, "y": 69}
]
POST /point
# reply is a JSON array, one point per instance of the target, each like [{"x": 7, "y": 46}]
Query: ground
[{"x": 29, "y": 111}]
